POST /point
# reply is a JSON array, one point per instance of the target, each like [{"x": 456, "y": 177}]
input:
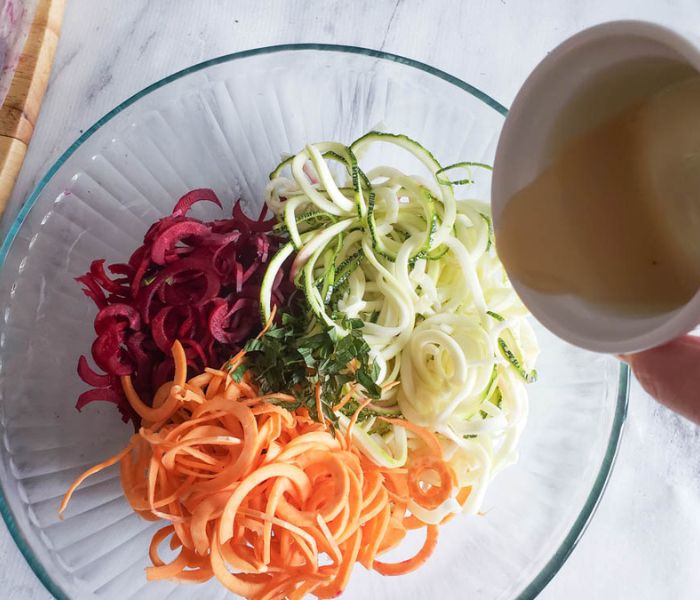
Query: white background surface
[{"x": 644, "y": 541}]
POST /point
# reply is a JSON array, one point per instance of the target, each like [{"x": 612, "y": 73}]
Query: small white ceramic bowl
[{"x": 520, "y": 156}]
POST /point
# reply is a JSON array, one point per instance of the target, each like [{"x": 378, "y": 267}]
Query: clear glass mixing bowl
[{"x": 224, "y": 124}]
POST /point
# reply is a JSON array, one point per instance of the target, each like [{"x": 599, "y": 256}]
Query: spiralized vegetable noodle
[{"x": 417, "y": 264}]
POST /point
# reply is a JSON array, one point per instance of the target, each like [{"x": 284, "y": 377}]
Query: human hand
[{"x": 671, "y": 374}]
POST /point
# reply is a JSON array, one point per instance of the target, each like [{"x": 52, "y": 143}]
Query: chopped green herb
[
  {"x": 146, "y": 281},
  {"x": 293, "y": 358},
  {"x": 380, "y": 427},
  {"x": 238, "y": 372}
]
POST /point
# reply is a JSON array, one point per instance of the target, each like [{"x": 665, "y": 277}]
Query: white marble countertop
[{"x": 644, "y": 541}]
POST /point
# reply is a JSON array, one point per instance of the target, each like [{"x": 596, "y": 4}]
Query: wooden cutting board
[{"x": 20, "y": 110}]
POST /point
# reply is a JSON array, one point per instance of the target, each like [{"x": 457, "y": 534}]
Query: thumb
[{"x": 671, "y": 374}]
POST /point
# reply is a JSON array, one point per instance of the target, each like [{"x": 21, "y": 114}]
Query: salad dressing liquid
[{"x": 615, "y": 216}]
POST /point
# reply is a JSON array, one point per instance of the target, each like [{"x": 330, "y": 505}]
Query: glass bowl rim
[{"x": 550, "y": 569}]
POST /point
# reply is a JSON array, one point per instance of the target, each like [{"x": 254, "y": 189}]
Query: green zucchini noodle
[{"x": 418, "y": 266}]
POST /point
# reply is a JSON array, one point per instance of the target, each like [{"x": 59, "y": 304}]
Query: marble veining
[{"x": 15, "y": 22}]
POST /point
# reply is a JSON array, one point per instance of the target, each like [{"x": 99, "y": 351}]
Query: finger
[{"x": 671, "y": 374}]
